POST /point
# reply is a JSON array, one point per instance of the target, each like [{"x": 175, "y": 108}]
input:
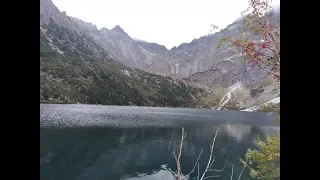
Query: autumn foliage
[{"x": 260, "y": 40}]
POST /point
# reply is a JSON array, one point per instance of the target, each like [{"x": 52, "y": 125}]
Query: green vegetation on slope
[{"x": 75, "y": 69}]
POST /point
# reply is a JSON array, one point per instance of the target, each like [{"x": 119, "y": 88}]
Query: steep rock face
[
  {"x": 202, "y": 62},
  {"x": 130, "y": 53},
  {"x": 76, "y": 68},
  {"x": 116, "y": 41}
]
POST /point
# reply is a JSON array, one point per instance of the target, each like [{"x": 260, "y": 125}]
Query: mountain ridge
[
  {"x": 180, "y": 62},
  {"x": 75, "y": 68},
  {"x": 192, "y": 69}
]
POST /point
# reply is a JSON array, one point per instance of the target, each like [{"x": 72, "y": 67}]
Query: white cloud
[{"x": 166, "y": 22}]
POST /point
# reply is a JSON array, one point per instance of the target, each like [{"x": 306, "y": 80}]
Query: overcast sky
[{"x": 166, "y": 22}]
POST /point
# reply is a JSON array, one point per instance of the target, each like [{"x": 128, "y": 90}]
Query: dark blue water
[{"x": 109, "y": 142}]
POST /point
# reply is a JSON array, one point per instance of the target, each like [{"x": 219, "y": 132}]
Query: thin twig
[
  {"x": 214, "y": 159},
  {"x": 198, "y": 172},
  {"x": 210, "y": 157},
  {"x": 211, "y": 176},
  {"x": 275, "y": 53},
  {"x": 261, "y": 67},
  {"x": 225, "y": 164},
  {"x": 231, "y": 172},
  {"x": 177, "y": 155},
  {"x": 174, "y": 174},
  {"x": 242, "y": 170},
  {"x": 195, "y": 163}
]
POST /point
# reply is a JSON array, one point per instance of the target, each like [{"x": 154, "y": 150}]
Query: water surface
[{"x": 113, "y": 142}]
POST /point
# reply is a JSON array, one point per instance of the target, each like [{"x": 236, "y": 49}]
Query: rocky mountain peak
[{"x": 118, "y": 29}]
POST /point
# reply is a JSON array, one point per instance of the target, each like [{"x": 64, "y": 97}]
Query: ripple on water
[
  {"x": 46, "y": 159},
  {"x": 120, "y": 116},
  {"x": 109, "y": 142}
]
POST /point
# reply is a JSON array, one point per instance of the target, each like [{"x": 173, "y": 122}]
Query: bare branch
[
  {"x": 214, "y": 159},
  {"x": 231, "y": 172},
  {"x": 211, "y": 176},
  {"x": 198, "y": 172},
  {"x": 225, "y": 164},
  {"x": 172, "y": 172},
  {"x": 177, "y": 156},
  {"x": 242, "y": 170},
  {"x": 209, "y": 164},
  {"x": 195, "y": 163},
  {"x": 210, "y": 157}
]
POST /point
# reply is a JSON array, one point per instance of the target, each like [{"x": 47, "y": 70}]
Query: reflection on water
[
  {"x": 161, "y": 174},
  {"x": 109, "y": 143},
  {"x": 137, "y": 153},
  {"x": 237, "y": 132}
]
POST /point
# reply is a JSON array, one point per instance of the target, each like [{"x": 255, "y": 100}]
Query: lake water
[{"x": 93, "y": 142}]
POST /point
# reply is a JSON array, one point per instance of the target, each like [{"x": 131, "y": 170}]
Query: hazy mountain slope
[
  {"x": 228, "y": 68},
  {"x": 200, "y": 55},
  {"x": 74, "y": 68},
  {"x": 195, "y": 64},
  {"x": 116, "y": 41}
]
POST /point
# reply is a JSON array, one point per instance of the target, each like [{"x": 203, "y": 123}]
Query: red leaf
[
  {"x": 251, "y": 43},
  {"x": 264, "y": 45}
]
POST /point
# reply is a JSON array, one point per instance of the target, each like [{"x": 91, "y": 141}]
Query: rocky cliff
[{"x": 75, "y": 67}]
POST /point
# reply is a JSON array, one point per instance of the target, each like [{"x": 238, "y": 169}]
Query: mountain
[
  {"x": 202, "y": 74},
  {"x": 200, "y": 55},
  {"x": 75, "y": 67}
]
